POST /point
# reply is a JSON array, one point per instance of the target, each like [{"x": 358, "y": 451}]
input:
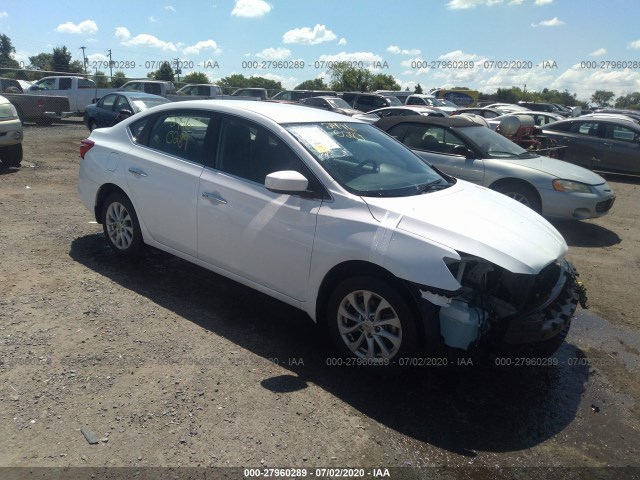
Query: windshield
[
  {"x": 394, "y": 100},
  {"x": 448, "y": 103},
  {"x": 141, "y": 105},
  {"x": 366, "y": 161},
  {"x": 492, "y": 144},
  {"x": 338, "y": 103}
]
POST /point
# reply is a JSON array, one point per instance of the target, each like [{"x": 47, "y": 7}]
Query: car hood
[
  {"x": 477, "y": 221},
  {"x": 559, "y": 169}
]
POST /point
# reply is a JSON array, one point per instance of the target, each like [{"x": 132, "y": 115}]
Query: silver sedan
[{"x": 472, "y": 152}]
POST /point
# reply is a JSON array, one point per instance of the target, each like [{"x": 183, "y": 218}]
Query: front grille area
[{"x": 605, "y": 206}]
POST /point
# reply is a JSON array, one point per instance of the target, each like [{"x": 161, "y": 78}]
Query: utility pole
[
  {"x": 84, "y": 59},
  {"x": 110, "y": 64},
  {"x": 178, "y": 71}
]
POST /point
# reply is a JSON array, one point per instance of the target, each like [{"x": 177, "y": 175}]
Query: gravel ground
[{"x": 167, "y": 364}]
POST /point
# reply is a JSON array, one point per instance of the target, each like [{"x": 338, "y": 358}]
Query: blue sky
[{"x": 575, "y": 39}]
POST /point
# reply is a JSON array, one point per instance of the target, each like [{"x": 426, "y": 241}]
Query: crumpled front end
[{"x": 507, "y": 310}]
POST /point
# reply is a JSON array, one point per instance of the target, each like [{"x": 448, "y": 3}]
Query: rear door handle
[
  {"x": 137, "y": 171},
  {"x": 214, "y": 198}
]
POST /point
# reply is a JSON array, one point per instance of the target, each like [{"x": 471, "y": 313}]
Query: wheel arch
[
  {"x": 105, "y": 190},
  {"x": 517, "y": 181},
  {"x": 357, "y": 268}
]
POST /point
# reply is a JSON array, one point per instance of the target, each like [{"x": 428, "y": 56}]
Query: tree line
[{"x": 341, "y": 77}]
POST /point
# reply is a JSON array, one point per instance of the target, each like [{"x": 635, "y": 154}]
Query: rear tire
[
  {"x": 11, "y": 156},
  {"x": 91, "y": 124},
  {"x": 121, "y": 227}
]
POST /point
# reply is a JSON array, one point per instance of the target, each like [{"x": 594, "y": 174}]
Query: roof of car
[
  {"x": 137, "y": 94},
  {"x": 386, "y": 123},
  {"x": 628, "y": 121},
  {"x": 278, "y": 112}
]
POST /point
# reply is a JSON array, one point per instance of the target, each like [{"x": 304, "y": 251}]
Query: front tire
[
  {"x": 11, "y": 156},
  {"x": 521, "y": 193},
  {"x": 369, "y": 319},
  {"x": 121, "y": 227}
]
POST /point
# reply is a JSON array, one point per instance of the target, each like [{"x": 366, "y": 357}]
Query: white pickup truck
[
  {"x": 80, "y": 91},
  {"x": 201, "y": 91}
]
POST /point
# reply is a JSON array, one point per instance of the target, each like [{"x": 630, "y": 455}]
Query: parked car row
[{"x": 607, "y": 141}]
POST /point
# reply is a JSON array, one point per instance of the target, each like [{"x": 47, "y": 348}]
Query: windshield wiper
[
  {"x": 527, "y": 152},
  {"x": 435, "y": 185}
]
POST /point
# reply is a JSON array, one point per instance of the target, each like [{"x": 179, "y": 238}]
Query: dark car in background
[
  {"x": 404, "y": 111},
  {"x": 483, "y": 112},
  {"x": 333, "y": 104},
  {"x": 605, "y": 143},
  {"x": 543, "y": 107},
  {"x": 365, "y": 102},
  {"x": 294, "y": 96},
  {"x": 260, "y": 93},
  {"x": 115, "y": 107}
]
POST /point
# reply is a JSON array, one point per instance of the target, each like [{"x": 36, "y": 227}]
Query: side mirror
[
  {"x": 463, "y": 151},
  {"x": 125, "y": 113},
  {"x": 286, "y": 181}
]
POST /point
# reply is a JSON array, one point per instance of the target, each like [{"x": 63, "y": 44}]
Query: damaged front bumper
[
  {"x": 499, "y": 310},
  {"x": 553, "y": 316}
]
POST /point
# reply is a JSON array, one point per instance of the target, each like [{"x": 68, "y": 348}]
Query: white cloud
[
  {"x": 142, "y": 40},
  {"x": 122, "y": 33},
  {"x": 543, "y": 2},
  {"x": 251, "y": 8},
  {"x": 306, "y": 36},
  {"x": 3, "y": 14},
  {"x": 170, "y": 8},
  {"x": 342, "y": 41},
  {"x": 153, "y": 19},
  {"x": 554, "y": 22},
  {"x": 516, "y": 2},
  {"x": 584, "y": 81},
  {"x": 88, "y": 26},
  {"x": 635, "y": 45},
  {"x": 598, "y": 53},
  {"x": 460, "y": 56},
  {"x": 274, "y": 53},
  {"x": 466, "y": 4},
  {"x": 97, "y": 57},
  {"x": 91, "y": 40},
  {"x": 398, "y": 51},
  {"x": 202, "y": 45}
]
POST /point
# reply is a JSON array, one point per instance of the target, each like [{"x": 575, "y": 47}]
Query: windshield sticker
[
  {"x": 342, "y": 130},
  {"x": 319, "y": 141}
]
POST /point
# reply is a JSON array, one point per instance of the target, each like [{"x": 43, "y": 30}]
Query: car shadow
[
  {"x": 619, "y": 178},
  {"x": 462, "y": 409},
  {"x": 8, "y": 170},
  {"x": 585, "y": 234}
]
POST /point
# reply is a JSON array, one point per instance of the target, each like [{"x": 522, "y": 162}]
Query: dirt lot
[{"x": 171, "y": 365}]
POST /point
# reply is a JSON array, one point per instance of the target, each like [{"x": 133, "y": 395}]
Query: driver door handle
[{"x": 214, "y": 198}]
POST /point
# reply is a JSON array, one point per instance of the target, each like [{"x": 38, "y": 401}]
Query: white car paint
[{"x": 285, "y": 245}]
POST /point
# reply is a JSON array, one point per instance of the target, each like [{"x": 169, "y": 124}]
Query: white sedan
[
  {"x": 331, "y": 215},
  {"x": 10, "y": 135}
]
